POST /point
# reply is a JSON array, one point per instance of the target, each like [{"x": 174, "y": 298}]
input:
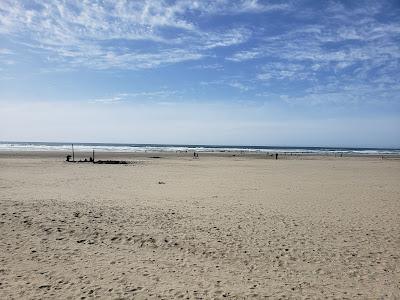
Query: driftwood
[
  {"x": 93, "y": 161},
  {"x": 107, "y": 162},
  {"x": 113, "y": 162}
]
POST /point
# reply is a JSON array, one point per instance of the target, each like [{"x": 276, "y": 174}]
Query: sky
[{"x": 245, "y": 72}]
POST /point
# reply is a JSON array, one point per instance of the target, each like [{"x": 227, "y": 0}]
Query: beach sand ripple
[{"x": 294, "y": 229}]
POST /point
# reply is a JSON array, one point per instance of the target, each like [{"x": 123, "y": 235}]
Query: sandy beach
[{"x": 220, "y": 226}]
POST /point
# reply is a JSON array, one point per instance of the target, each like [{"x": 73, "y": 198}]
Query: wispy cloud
[
  {"x": 106, "y": 34},
  {"x": 347, "y": 49},
  {"x": 206, "y": 66},
  {"x": 285, "y": 71},
  {"x": 240, "y": 86},
  {"x": 239, "y": 7},
  {"x": 237, "y": 82},
  {"x": 246, "y": 55},
  {"x": 159, "y": 96},
  {"x": 112, "y": 100},
  {"x": 324, "y": 50},
  {"x": 225, "y": 39}
]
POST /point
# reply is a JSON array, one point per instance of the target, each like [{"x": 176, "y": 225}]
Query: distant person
[{"x": 276, "y": 155}]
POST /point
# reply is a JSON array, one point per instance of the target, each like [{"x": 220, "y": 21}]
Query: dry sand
[{"x": 216, "y": 227}]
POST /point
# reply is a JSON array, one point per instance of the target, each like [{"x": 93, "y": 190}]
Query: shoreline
[{"x": 189, "y": 154}]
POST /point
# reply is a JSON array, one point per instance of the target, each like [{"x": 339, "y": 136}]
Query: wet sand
[{"x": 221, "y": 226}]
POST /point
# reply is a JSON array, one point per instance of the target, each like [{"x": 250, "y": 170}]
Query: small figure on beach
[
  {"x": 68, "y": 158},
  {"x": 276, "y": 155}
]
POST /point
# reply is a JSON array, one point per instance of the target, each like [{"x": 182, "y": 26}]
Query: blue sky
[{"x": 305, "y": 73}]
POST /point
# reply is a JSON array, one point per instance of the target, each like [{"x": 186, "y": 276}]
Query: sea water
[{"x": 86, "y": 147}]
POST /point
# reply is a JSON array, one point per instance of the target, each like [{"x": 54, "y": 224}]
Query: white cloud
[
  {"x": 139, "y": 60},
  {"x": 238, "y": 82},
  {"x": 245, "y": 55},
  {"x": 159, "y": 96},
  {"x": 284, "y": 71},
  {"x": 112, "y": 100},
  {"x": 255, "y": 6},
  {"x": 215, "y": 66},
  {"x": 225, "y": 39},
  {"x": 228, "y": 7},
  {"x": 344, "y": 47},
  {"x": 84, "y": 33},
  {"x": 338, "y": 55},
  {"x": 335, "y": 41},
  {"x": 240, "y": 86}
]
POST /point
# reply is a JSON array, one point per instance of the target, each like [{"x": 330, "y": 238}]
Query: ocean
[{"x": 46, "y": 146}]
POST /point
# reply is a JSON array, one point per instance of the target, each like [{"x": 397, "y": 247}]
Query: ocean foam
[{"x": 81, "y": 147}]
